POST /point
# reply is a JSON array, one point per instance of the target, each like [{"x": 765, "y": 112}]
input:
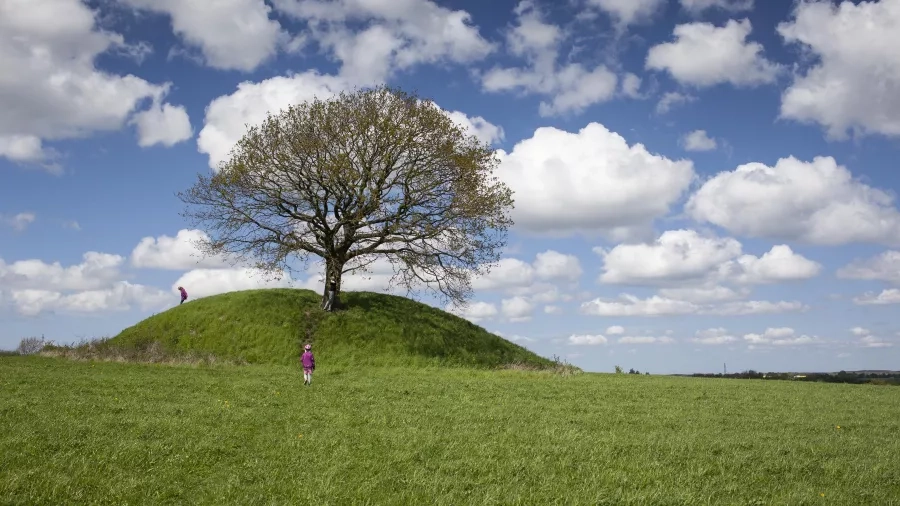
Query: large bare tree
[{"x": 376, "y": 173}]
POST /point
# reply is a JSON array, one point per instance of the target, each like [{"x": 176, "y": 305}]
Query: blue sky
[{"x": 697, "y": 182}]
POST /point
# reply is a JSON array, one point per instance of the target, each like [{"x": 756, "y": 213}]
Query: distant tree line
[
  {"x": 619, "y": 370},
  {"x": 853, "y": 377}
]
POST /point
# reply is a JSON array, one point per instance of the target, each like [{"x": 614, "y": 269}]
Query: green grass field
[
  {"x": 113, "y": 433},
  {"x": 270, "y": 325}
]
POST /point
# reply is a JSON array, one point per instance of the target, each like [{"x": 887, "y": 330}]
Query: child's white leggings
[{"x": 307, "y": 377}]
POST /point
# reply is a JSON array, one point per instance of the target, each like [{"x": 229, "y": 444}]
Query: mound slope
[{"x": 270, "y": 325}]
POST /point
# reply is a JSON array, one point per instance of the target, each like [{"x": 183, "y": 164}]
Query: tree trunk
[
  {"x": 327, "y": 282},
  {"x": 333, "y": 273},
  {"x": 336, "y": 279}
]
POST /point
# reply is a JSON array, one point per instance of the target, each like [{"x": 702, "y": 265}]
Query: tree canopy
[{"x": 374, "y": 173}]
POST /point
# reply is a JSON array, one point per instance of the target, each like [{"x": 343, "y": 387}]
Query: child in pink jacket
[{"x": 309, "y": 364}]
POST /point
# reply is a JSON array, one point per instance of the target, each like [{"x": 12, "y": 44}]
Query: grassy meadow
[
  {"x": 82, "y": 432},
  {"x": 269, "y": 326}
]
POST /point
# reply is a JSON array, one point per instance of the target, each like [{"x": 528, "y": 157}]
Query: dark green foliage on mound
[{"x": 270, "y": 326}]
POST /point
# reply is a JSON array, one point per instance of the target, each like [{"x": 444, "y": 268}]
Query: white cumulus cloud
[
  {"x": 698, "y": 140},
  {"x": 680, "y": 256},
  {"x": 704, "y": 294},
  {"x": 631, "y": 85},
  {"x": 570, "y": 87},
  {"x": 883, "y": 267},
  {"x": 886, "y": 297},
  {"x": 728, "y": 57},
  {"x": 645, "y": 340},
  {"x": 781, "y": 336},
  {"x": 671, "y": 99},
  {"x": 97, "y": 270},
  {"x": 587, "y": 340},
  {"x": 33, "y": 287},
  {"x": 697, "y": 7},
  {"x": 205, "y": 282},
  {"x": 231, "y": 34},
  {"x": 163, "y": 124},
  {"x": 675, "y": 255},
  {"x": 818, "y": 202},
  {"x": 713, "y": 337},
  {"x": 227, "y": 116},
  {"x": 19, "y": 221},
  {"x": 853, "y": 83},
  {"x": 173, "y": 253},
  {"x": 553, "y": 265},
  {"x": 629, "y": 305},
  {"x": 51, "y": 88},
  {"x": 592, "y": 180},
  {"x": 777, "y": 265},
  {"x": 615, "y": 330},
  {"x": 481, "y": 128},
  {"x": 869, "y": 340},
  {"x": 629, "y": 12},
  {"x": 475, "y": 311},
  {"x": 512, "y": 273},
  {"x": 121, "y": 296},
  {"x": 874, "y": 342},
  {"x": 859, "y": 331},
  {"x": 655, "y": 306},
  {"x": 374, "y": 39},
  {"x": 27, "y": 149},
  {"x": 517, "y": 309}
]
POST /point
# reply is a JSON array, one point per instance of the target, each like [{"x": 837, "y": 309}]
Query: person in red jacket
[{"x": 183, "y": 295}]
